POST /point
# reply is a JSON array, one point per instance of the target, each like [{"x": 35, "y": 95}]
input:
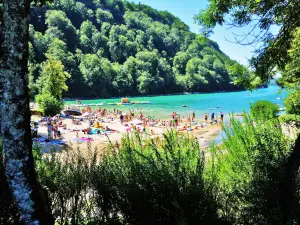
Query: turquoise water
[{"x": 163, "y": 106}]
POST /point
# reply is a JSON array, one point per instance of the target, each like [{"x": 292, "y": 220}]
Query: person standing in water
[
  {"x": 213, "y": 116},
  {"x": 193, "y": 116}
]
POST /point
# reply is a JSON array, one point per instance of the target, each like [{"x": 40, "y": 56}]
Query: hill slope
[{"x": 114, "y": 48}]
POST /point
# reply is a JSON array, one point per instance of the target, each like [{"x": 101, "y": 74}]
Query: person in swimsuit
[
  {"x": 50, "y": 129},
  {"x": 212, "y": 116}
]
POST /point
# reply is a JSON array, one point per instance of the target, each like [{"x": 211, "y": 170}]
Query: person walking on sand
[
  {"x": 121, "y": 118},
  {"x": 35, "y": 130},
  {"x": 222, "y": 117},
  {"x": 173, "y": 115},
  {"x": 49, "y": 129},
  {"x": 213, "y": 116},
  {"x": 55, "y": 131},
  {"x": 205, "y": 117},
  {"x": 176, "y": 120},
  {"x": 230, "y": 121}
]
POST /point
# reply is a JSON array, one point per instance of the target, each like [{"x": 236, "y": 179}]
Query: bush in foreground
[
  {"x": 264, "y": 110},
  {"x": 141, "y": 182},
  {"x": 292, "y": 103},
  {"x": 249, "y": 171},
  {"x": 157, "y": 182},
  {"x": 166, "y": 181}
]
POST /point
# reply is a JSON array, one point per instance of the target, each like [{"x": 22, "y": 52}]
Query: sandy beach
[{"x": 73, "y": 135}]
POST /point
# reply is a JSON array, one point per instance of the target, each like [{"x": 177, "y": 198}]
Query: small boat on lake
[
  {"x": 210, "y": 108},
  {"x": 184, "y": 106},
  {"x": 278, "y": 98}
]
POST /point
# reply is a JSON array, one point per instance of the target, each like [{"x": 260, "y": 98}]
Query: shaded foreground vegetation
[{"x": 170, "y": 181}]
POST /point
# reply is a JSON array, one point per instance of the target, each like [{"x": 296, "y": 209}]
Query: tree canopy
[
  {"x": 114, "y": 48},
  {"x": 277, "y": 52}
]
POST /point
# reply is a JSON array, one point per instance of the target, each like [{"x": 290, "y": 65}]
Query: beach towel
[
  {"x": 77, "y": 140},
  {"x": 86, "y": 139},
  {"x": 95, "y": 131},
  {"x": 57, "y": 142},
  {"x": 40, "y": 139}
]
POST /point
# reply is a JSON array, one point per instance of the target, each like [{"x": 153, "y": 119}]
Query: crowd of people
[{"x": 94, "y": 121}]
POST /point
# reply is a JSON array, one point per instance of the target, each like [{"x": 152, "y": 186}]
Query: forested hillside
[{"x": 116, "y": 48}]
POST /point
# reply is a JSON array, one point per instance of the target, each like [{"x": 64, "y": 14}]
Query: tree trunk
[{"x": 16, "y": 132}]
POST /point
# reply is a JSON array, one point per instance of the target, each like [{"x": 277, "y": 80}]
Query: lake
[{"x": 227, "y": 102}]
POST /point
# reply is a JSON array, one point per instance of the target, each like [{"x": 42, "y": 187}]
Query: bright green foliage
[
  {"x": 51, "y": 84},
  {"x": 155, "y": 182},
  {"x": 278, "y": 51},
  {"x": 292, "y": 102},
  {"x": 264, "y": 110},
  {"x": 289, "y": 118},
  {"x": 103, "y": 16},
  {"x": 248, "y": 169},
  {"x": 97, "y": 73},
  {"x": 59, "y": 19},
  {"x": 291, "y": 73},
  {"x": 120, "y": 31},
  {"x": 142, "y": 182},
  {"x": 48, "y": 104},
  {"x": 53, "y": 78}
]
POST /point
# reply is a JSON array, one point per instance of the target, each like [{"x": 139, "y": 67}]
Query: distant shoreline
[{"x": 136, "y": 96}]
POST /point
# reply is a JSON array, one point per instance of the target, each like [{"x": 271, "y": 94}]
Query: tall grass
[
  {"x": 168, "y": 180},
  {"x": 155, "y": 183},
  {"x": 66, "y": 178},
  {"x": 248, "y": 169}
]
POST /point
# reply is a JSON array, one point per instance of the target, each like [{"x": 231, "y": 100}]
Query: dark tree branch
[{"x": 288, "y": 186}]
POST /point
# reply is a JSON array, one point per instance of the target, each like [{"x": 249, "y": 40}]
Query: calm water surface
[{"x": 163, "y": 106}]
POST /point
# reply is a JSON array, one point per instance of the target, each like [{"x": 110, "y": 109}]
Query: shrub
[
  {"x": 157, "y": 182},
  {"x": 287, "y": 118},
  {"x": 264, "y": 110},
  {"x": 292, "y": 102},
  {"x": 141, "y": 182},
  {"x": 48, "y": 104},
  {"x": 292, "y": 120},
  {"x": 248, "y": 170},
  {"x": 66, "y": 177}
]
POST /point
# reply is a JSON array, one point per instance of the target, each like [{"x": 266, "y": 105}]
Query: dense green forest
[{"x": 116, "y": 48}]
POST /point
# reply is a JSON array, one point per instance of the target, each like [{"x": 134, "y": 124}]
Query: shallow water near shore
[{"x": 227, "y": 102}]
